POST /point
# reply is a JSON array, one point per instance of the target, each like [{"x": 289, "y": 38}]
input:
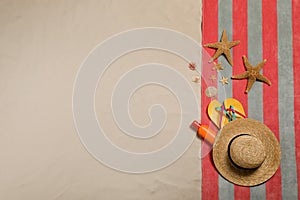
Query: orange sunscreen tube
[{"x": 205, "y": 132}]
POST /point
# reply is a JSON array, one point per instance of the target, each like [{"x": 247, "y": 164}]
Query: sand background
[{"x": 42, "y": 44}]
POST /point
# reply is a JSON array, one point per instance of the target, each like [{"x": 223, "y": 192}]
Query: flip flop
[
  {"x": 238, "y": 107},
  {"x": 215, "y": 115},
  {"x": 220, "y": 120}
]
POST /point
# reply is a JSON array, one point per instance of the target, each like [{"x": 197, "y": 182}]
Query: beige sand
[{"x": 42, "y": 46}]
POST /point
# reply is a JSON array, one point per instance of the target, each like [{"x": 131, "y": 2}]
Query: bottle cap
[{"x": 195, "y": 125}]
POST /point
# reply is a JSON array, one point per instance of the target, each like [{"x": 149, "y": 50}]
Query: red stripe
[
  {"x": 270, "y": 93},
  {"x": 240, "y": 32},
  {"x": 209, "y": 34},
  {"x": 296, "y": 68}
]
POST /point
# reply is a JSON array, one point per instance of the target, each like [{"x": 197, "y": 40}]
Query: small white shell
[
  {"x": 211, "y": 91},
  {"x": 195, "y": 78}
]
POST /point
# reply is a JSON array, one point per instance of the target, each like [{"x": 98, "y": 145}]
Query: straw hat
[{"x": 246, "y": 152}]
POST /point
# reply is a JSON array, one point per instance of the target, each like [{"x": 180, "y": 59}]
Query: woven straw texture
[{"x": 246, "y": 152}]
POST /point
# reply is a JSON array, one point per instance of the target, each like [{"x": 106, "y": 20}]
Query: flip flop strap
[{"x": 227, "y": 110}]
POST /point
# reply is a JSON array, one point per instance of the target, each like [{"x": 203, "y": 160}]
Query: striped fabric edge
[
  {"x": 209, "y": 26},
  {"x": 296, "y": 71}
]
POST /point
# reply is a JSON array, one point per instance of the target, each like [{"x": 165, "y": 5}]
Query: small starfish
[
  {"x": 224, "y": 80},
  {"x": 252, "y": 74},
  {"x": 222, "y": 47},
  {"x": 213, "y": 78},
  {"x": 218, "y": 66},
  {"x": 192, "y": 66}
]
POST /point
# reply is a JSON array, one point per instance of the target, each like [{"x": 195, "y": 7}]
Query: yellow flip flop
[
  {"x": 238, "y": 107},
  {"x": 215, "y": 115}
]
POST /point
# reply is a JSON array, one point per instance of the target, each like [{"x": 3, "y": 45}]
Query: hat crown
[{"x": 247, "y": 151}]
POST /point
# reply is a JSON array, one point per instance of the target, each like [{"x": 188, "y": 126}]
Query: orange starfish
[
  {"x": 222, "y": 48},
  {"x": 218, "y": 66},
  {"x": 213, "y": 78},
  {"x": 224, "y": 80},
  {"x": 252, "y": 74}
]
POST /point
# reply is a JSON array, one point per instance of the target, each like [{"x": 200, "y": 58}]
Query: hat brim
[{"x": 240, "y": 176}]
